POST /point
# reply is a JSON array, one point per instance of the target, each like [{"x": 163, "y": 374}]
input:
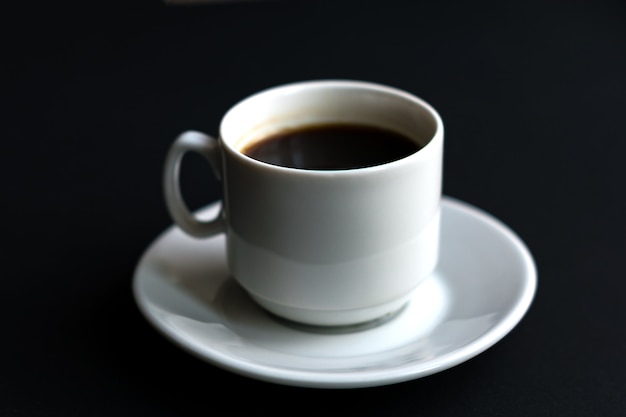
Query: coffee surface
[{"x": 332, "y": 147}]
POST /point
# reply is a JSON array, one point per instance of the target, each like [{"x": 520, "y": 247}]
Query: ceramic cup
[{"x": 322, "y": 247}]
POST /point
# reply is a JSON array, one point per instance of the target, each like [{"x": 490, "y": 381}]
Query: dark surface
[{"x": 532, "y": 94}]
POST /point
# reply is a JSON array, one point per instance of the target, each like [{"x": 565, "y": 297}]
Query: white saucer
[{"x": 484, "y": 284}]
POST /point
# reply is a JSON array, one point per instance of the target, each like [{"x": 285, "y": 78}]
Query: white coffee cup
[{"x": 322, "y": 247}]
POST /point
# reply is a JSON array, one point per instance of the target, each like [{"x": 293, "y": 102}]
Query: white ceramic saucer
[{"x": 483, "y": 285}]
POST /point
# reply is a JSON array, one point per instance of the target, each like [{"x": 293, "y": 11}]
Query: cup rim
[{"x": 329, "y": 83}]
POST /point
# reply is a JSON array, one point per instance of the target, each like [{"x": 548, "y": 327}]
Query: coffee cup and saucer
[{"x": 333, "y": 260}]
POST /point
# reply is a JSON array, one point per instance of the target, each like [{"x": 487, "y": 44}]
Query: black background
[{"x": 533, "y": 98}]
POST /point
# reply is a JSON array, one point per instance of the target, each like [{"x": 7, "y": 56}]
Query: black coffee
[{"x": 332, "y": 147}]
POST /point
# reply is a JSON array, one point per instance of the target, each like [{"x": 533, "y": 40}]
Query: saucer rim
[{"x": 359, "y": 379}]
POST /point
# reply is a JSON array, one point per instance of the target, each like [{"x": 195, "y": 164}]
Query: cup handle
[{"x": 209, "y": 148}]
